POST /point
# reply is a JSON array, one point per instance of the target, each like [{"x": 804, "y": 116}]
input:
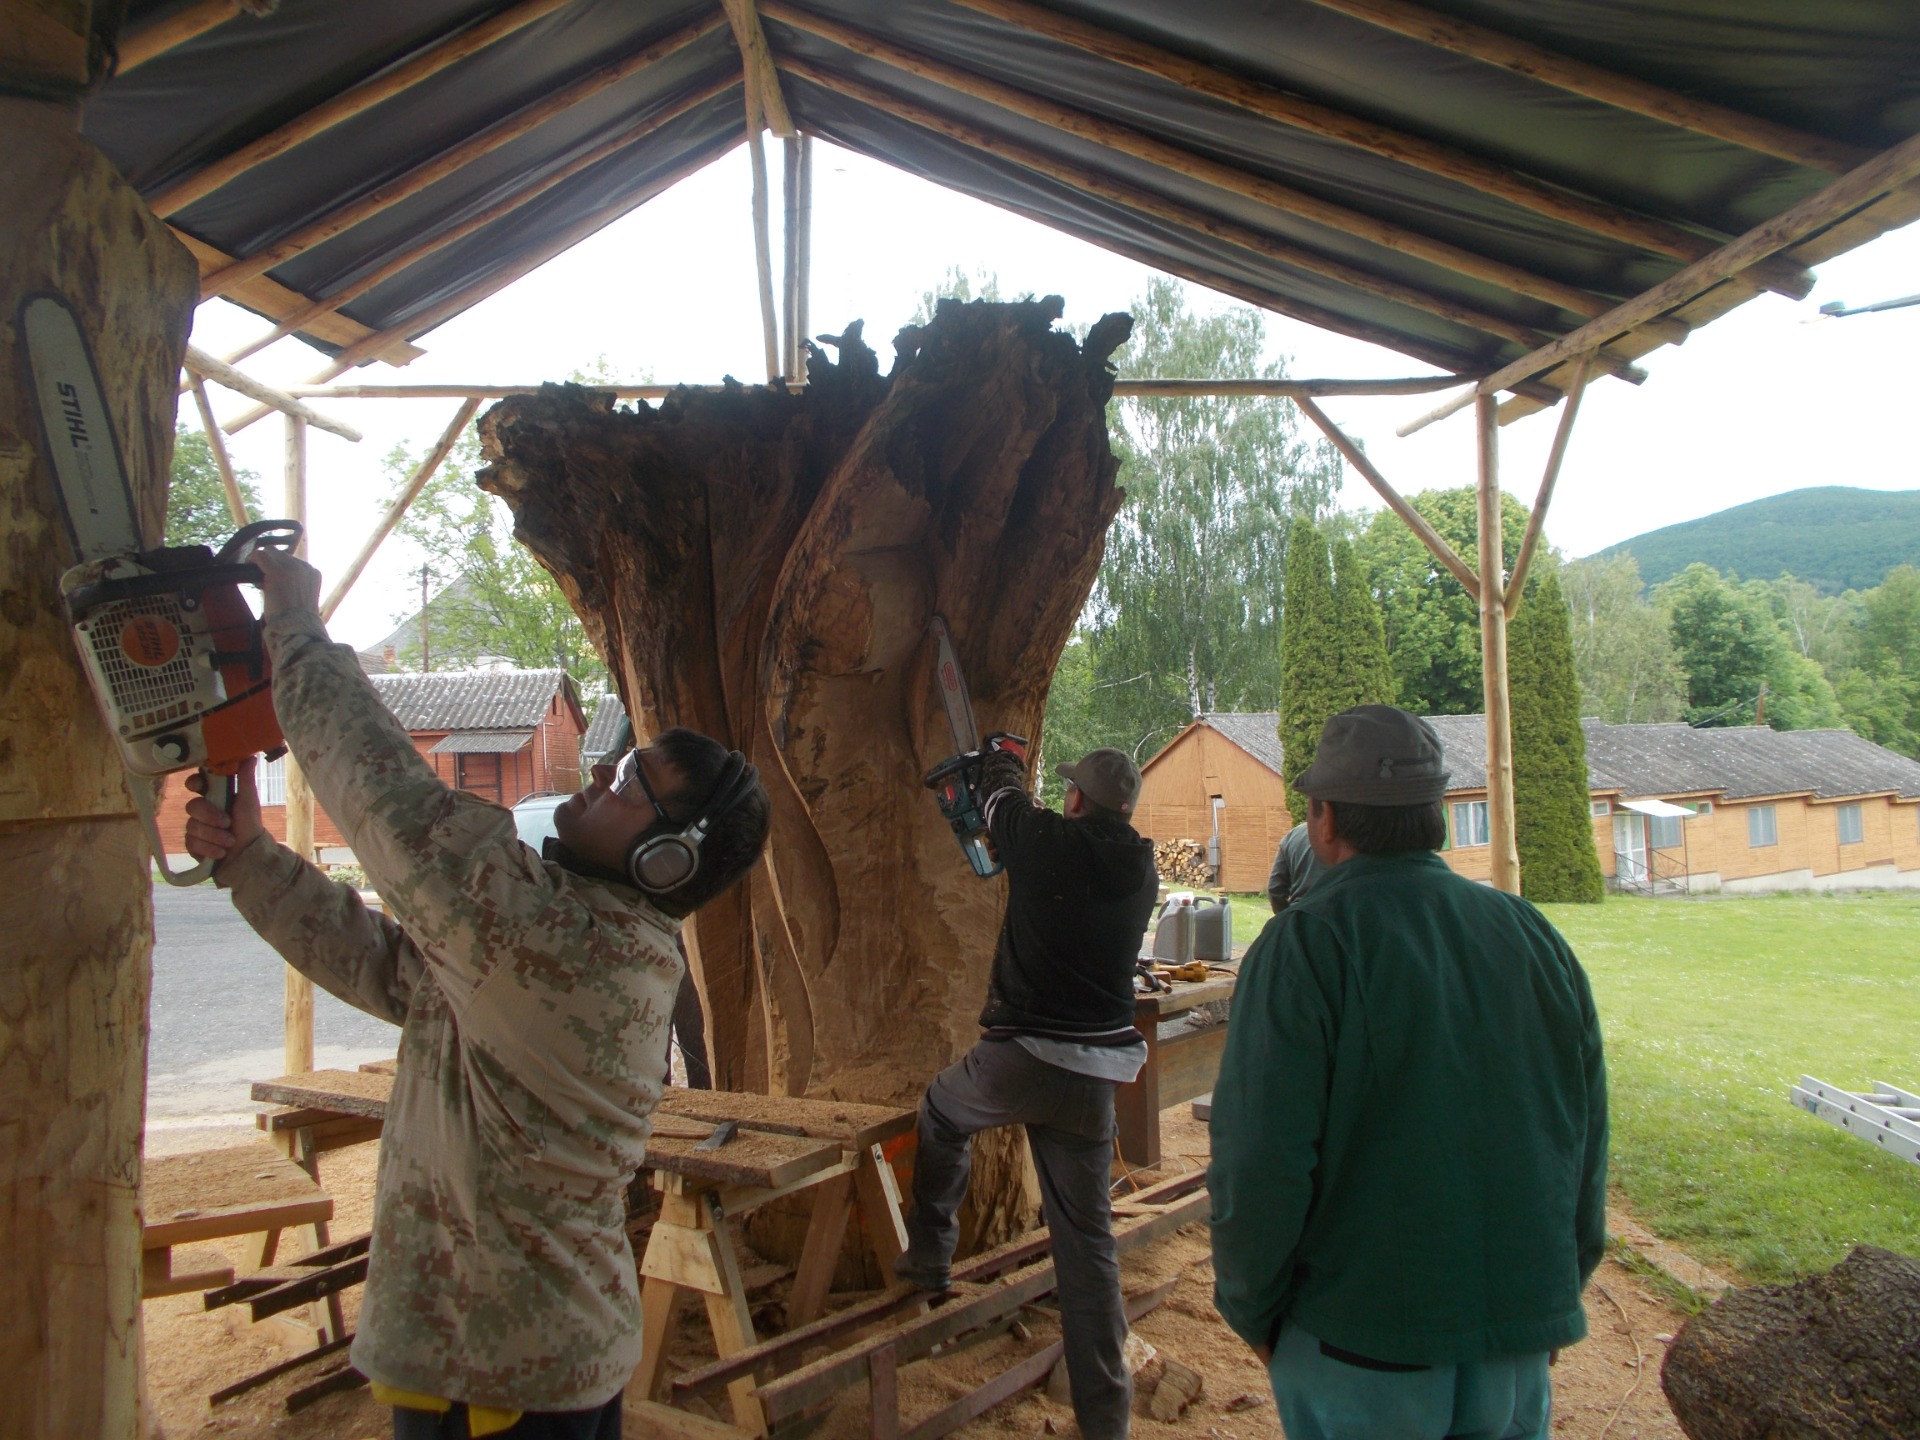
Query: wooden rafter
[
  {"x": 1609, "y": 87},
  {"x": 207, "y": 367},
  {"x": 407, "y": 259},
  {"x": 347, "y": 104},
  {"x": 1415, "y": 521},
  {"x": 1142, "y": 146},
  {"x": 756, "y": 58},
  {"x": 1159, "y": 389},
  {"x": 492, "y": 138},
  {"x": 1885, "y": 172},
  {"x": 373, "y": 345},
  {"x": 1598, "y": 217},
  {"x": 1537, "y": 519},
  {"x": 183, "y": 25},
  {"x": 217, "y": 445},
  {"x": 1142, "y": 201}
]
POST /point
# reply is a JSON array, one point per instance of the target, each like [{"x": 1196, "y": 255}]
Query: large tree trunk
[
  {"x": 76, "y": 911},
  {"x": 762, "y": 566},
  {"x": 1836, "y": 1357}
]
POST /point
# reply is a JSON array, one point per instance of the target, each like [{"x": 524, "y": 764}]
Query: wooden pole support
[
  {"x": 298, "y": 1015},
  {"x": 183, "y": 25},
  {"x": 207, "y": 367},
  {"x": 1536, "y": 522},
  {"x": 763, "y": 253},
  {"x": 1161, "y": 389},
  {"x": 756, "y": 59},
  {"x": 216, "y": 443},
  {"x": 416, "y": 482},
  {"x": 802, "y": 290},
  {"x": 1505, "y": 856},
  {"x": 790, "y": 259},
  {"x": 1415, "y": 521}
]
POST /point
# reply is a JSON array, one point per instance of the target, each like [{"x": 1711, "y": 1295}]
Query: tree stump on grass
[
  {"x": 762, "y": 565},
  {"x": 1836, "y": 1356}
]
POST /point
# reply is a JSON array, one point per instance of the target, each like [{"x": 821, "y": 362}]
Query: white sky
[{"x": 1764, "y": 400}]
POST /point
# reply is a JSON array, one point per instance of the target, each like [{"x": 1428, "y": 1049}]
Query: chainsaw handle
[
  {"x": 260, "y": 535},
  {"x": 220, "y": 790}
]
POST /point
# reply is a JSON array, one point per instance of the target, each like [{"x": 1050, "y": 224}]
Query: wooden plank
[
  {"x": 683, "y": 1256},
  {"x": 792, "y": 1394},
  {"x": 157, "y": 1277},
  {"x": 750, "y": 1158},
  {"x": 274, "y": 1372},
  {"x": 857, "y": 1125},
  {"x": 880, "y": 1206},
  {"x": 232, "y": 1191},
  {"x": 820, "y": 1252},
  {"x": 344, "y": 1092},
  {"x": 883, "y": 1393},
  {"x": 327, "y": 1280},
  {"x": 324, "y": 1129},
  {"x": 210, "y": 367},
  {"x": 1190, "y": 1063}
]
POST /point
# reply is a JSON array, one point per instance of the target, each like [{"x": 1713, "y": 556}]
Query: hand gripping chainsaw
[
  {"x": 956, "y": 783},
  {"x": 170, "y": 647}
]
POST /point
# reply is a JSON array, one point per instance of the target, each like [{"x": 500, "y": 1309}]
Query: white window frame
[
  {"x": 1842, "y": 815},
  {"x": 272, "y": 780},
  {"x": 1701, "y": 807},
  {"x": 1469, "y": 825},
  {"x": 1599, "y": 809},
  {"x": 1761, "y": 820}
]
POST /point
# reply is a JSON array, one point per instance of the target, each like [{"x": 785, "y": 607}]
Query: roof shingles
[{"x": 471, "y": 699}]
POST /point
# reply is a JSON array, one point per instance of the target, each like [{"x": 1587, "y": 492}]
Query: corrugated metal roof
[
  {"x": 471, "y": 699},
  {"x": 1257, "y": 732},
  {"x": 483, "y": 742},
  {"x": 1739, "y": 763},
  {"x": 602, "y": 730}
]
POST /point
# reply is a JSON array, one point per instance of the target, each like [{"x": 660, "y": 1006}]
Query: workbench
[{"x": 1181, "y": 1063}]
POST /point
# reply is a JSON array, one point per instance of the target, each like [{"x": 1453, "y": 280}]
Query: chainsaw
[
  {"x": 956, "y": 783},
  {"x": 171, "y": 649}
]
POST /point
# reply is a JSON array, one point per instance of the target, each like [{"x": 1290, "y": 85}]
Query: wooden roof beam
[
  {"x": 756, "y": 59},
  {"x": 207, "y": 367},
  {"x": 1880, "y": 175},
  {"x": 412, "y": 256},
  {"x": 496, "y": 135},
  {"x": 349, "y": 103},
  {"x": 174, "y": 31},
  {"x": 1155, "y": 389},
  {"x": 1125, "y": 140},
  {"x": 439, "y": 314},
  {"x": 1488, "y": 177},
  {"x": 1609, "y": 87},
  {"x": 1146, "y": 202}
]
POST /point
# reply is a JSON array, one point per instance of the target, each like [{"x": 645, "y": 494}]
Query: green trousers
[{"x": 1323, "y": 1398}]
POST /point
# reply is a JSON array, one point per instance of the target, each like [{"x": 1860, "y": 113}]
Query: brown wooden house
[
  {"x": 502, "y": 734},
  {"x": 1218, "y": 783}
]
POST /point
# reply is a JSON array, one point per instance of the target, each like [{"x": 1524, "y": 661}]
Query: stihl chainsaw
[
  {"x": 171, "y": 649},
  {"x": 956, "y": 783}
]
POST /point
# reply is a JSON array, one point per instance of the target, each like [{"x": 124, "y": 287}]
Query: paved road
[{"x": 216, "y": 1015}]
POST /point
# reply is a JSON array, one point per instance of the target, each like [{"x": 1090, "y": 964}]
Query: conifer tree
[
  {"x": 1310, "y": 655},
  {"x": 1553, "y": 826},
  {"x": 1365, "y": 675}
]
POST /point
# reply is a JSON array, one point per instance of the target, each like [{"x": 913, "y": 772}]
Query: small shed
[
  {"x": 1218, "y": 783},
  {"x": 603, "y": 732}
]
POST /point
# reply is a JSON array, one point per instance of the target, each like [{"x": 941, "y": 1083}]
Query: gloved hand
[{"x": 1000, "y": 769}]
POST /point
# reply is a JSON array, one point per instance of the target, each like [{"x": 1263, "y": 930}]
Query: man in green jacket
[{"x": 1410, "y": 1125}]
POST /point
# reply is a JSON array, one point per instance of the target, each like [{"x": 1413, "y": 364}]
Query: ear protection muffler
[{"x": 664, "y": 858}]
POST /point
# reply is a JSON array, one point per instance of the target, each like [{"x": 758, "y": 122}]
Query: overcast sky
[{"x": 1767, "y": 399}]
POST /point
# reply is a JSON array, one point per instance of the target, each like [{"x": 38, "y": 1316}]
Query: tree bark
[
  {"x": 762, "y": 565},
  {"x": 1836, "y": 1356},
  {"x": 73, "y": 868}
]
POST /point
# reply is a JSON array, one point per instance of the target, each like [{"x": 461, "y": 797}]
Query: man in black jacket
[{"x": 1058, "y": 1037}]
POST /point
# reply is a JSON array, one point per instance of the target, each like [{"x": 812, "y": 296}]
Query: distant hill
[{"x": 1831, "y": 536}]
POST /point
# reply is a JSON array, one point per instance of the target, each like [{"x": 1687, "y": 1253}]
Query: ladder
[{"x": 1886, "y": 1115}]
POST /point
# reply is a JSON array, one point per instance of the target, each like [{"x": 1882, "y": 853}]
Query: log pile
[
  {"x": 1182, "y": 864},
  {"x": 1836, "y": 1355},
  {"x": 762, "y": 564}
]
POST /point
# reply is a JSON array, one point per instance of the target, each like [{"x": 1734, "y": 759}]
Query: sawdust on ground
[{"x": 1607, "y": 1388}]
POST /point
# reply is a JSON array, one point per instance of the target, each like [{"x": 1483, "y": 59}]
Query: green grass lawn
[{"x": 1712, "y": 1008}]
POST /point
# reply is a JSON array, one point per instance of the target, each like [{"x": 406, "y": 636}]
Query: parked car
[{"x": 533, "y": 816}]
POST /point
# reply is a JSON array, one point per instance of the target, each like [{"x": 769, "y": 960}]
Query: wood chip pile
[{"x": 1182, "y": 863}]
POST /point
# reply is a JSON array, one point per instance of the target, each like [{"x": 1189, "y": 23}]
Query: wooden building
[
  {"x": 1679, "y": 810},
  {"x": 503, "y": 734},
  {"x": 1218, "y": 783}
]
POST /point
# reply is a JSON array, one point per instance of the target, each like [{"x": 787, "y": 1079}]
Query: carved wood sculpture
[
  {"x": 761, "y": 565},
  {"x": 1836, "y": 1355}
]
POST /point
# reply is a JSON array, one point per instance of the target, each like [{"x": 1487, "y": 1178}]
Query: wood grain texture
[{"x": 73, "y": 868}]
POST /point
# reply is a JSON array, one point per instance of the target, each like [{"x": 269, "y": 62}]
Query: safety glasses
[{"x": 630, "y": 775}]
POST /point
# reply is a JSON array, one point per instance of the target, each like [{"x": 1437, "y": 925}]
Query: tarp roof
[{"x": 1437, "y": 222}]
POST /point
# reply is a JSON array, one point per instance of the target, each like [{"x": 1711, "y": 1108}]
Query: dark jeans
[
  {"x": 598, "y": 1424},
  {"x": 1069, "y": 1120},
  {"x": 690, "y": 1029}
]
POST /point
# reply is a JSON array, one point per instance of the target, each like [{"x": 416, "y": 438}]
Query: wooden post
[
  {"x": 299, "y": 992},
  {"x": 790, "y": 254},
  {"x": 762, "y": 241},
  {"x": 217, "y": 444},
  {"x": 75, "y": 876},
  {"x": 1537, "y": 520},
  {"x": 1493, "y": 656},
  {"x": 801, "y": 316}
]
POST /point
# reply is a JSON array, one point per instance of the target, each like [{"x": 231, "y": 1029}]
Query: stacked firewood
[{"x": 1182, "y": 863}]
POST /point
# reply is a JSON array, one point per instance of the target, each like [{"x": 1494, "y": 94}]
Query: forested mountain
[{"x": 1833, "y": 537}]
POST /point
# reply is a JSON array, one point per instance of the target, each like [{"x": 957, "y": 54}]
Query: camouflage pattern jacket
[{"x": 535, "y": 1007}]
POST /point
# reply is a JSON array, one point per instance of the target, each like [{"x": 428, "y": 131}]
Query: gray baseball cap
[
  {"x": 1376, "y": 755},
  {"x": 1109, "y": 778}
]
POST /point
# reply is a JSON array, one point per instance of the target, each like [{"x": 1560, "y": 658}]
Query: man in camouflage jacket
[{"x": 535, "y": 1000}]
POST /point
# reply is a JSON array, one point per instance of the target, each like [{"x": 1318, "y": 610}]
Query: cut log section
[
  {"x": 1836, "y": 1355},
  {"x": 761, "y": 565}
]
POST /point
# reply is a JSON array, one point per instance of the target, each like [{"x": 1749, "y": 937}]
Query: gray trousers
[{"x": 1069, "y": 1120}]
